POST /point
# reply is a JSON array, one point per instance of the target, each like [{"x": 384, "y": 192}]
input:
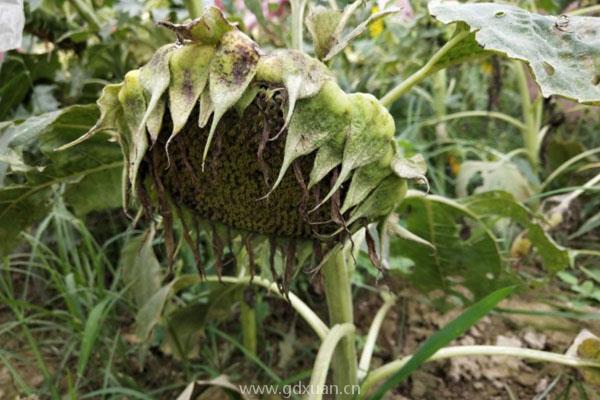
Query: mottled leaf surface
[
  {"x": 231, "y": 70},
  {"x": 465, "y": 260},
  {"x": 189, "y": 73},
  {"x": 316, "y": 121},
  {"x": 133, "y": 102},
  {"x": 371, "y": 130},
  {"x": 562, "y": 51},
  {"x": 154, "y": 79},
  {"x": 302, "y": 76},
  {"x": 322, "y": 23}
]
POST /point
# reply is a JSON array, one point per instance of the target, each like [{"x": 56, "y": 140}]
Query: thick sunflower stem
[
  {"x": 531, "y": 111},
  {"x": 336, "y": 277},
  {"x": 423, "y": 72}
]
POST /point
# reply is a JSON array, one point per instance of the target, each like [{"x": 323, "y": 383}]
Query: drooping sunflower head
[{"x": 263, "y": 144}]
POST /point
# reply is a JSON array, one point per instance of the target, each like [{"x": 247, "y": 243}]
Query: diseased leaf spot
[
  {"x": 500, "y": 14},
  {"x": 596, "y": 80},
  {"x": 549, "y": 68},
  {"x": 562, "y": 23}
]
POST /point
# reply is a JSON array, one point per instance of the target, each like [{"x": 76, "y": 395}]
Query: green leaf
[
  {"x": 151, "y": 312},
  {"x": 494, "y": 175},
  {"x": 465, "y": 254},
  {"x": 109, "y": 107},
  {"x": 18, "y": 75},
  {"x": 186, "y": 322},
  {"x": 502, "y": 204},
  {"x": 28, "y": 182},
  {"x": 466, "y": 50},
  {"x": 365, "y": 179},
  {"x": 322, "y": 23},
  {"x": 382, "y": 201},
  {"x": 563, "y": 52},
  {"x": 210, "y": 27},
  {"x": 141, "y": 269},
  {"x": 92, "y": 329},
  {"x": 443, "y": 337}
]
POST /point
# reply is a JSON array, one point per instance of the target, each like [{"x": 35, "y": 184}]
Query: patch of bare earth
[{"x": 486, "y": 378}]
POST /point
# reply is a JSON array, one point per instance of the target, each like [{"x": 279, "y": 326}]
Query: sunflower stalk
[
  {"x": 336, "y": 277},
  {"x": 298, "y": 7}
]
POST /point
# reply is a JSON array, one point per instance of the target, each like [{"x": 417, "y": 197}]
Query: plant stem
[
  {"x": 564, "y": 166},
  {"x": 323, "y": 360},
  {"x": 247, "y": 314},
  {"x": 301, "y": 308},
  {"x": 586, "y": 10},
  {"x": 531, "y": 128},
  {"x": 86, "y": 11},
  {"x": 365, "y": 359},
  {"x": 387, "y": 370},
  {"x": 194, "y": 8},
  {"x": 476, "y": 113},
  {"x": 297, "y": 17},
  {"x": 423, "y": 72},
  {"x": 248, "y": 321},
  {"x": 336, "y": 277}
]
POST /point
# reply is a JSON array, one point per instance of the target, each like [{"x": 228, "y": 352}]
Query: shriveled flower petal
[
  {"x": 384, "y": 199},
  {"x": 189, "y": 66},
  {"x": 316, "y": 121},
  {"x": 301, "y": 75},
  {"x": 371, "y": 130},
  {"x": 231, "y": 70},
  {"x": 109, "y": 105},
  {"x": 206, "y": 109},
  {"x": 133, "y": 102},
  {"x": 211, "y": 27},
  {"x": 154, "y": 79},
  {"x": 365, "y": 179},
  {"x": 328, "y": 157},
  {"x": 155, "y": 119}
]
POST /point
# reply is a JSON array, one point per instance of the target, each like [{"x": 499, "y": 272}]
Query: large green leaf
[
  {"x": 461, "y": 252},
  {"x": 31, "y": 171},
  {"x": 502, "y": 204},
  {"x": 563, "y": 52},
  {"x": 19, "y": 73}
]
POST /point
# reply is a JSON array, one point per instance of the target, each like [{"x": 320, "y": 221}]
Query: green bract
[{"x": 242, "y": 141}]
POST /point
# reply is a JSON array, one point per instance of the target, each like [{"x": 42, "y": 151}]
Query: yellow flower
[{"x": 376, "y": 28}]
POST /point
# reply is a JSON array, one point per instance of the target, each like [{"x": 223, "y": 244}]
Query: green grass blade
[
  {"x": 92, "y": 329},
  {"x": 443, "y": 337}
]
